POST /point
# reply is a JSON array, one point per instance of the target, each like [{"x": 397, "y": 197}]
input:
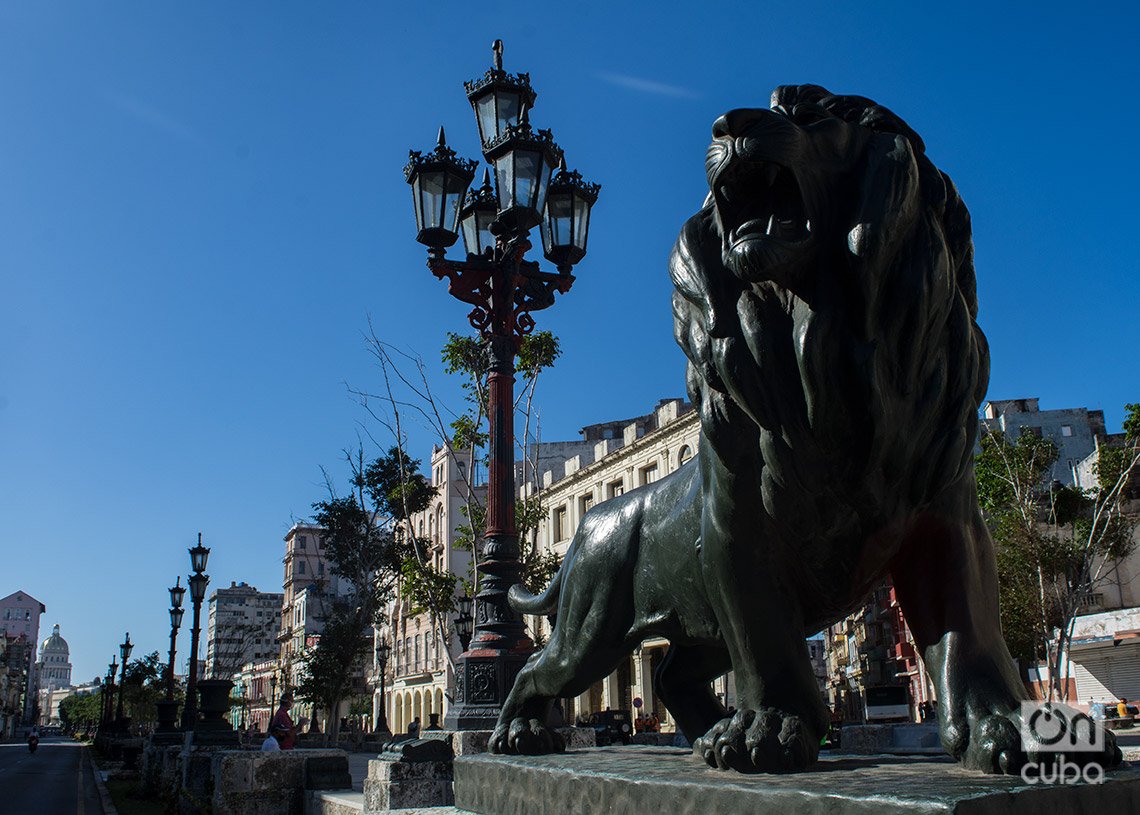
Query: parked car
[{"x": 612, "y": 726}]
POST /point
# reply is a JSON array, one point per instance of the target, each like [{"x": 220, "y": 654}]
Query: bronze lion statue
[{"x": 825, "y": 299}]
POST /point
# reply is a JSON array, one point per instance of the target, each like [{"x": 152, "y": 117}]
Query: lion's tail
[{"x": 524, "y": 602}]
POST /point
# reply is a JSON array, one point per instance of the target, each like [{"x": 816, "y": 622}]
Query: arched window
[{"x": 684, "y": 454}]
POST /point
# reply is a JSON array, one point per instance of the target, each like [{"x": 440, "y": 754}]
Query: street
[{"x": 56, "y": 780}]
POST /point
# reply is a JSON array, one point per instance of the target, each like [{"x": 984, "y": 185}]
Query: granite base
[{"x": 660, "y": 779}]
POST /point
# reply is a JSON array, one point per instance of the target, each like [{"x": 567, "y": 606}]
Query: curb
[{"x": 104, "y": 795}]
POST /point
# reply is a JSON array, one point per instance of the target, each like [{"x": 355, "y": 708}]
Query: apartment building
[{"x": 242, "y": 626}]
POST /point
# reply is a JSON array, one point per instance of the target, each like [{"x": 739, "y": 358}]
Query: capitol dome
[
  {"x": 55, "y": 644},
  {"x": 54, "y": 666}
]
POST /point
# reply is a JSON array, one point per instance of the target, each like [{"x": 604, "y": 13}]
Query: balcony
[{"x": 904, "y": 650}]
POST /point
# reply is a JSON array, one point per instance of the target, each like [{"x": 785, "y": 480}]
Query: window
[
  {"x": 301, "y": 567},
  {"x": 585, "y": 502},
  {"x": 321, "y": 567},
  {"x": 558, "y": 524},
  {"x": 1032, "y": 431},
  {"x": 615, "y": 488},
  {"x": 1066, "y": 430},
  {"x": 684, "y": 455},
  {"x": 647, "y": 474},
  {"x": 303, "y": 541}
]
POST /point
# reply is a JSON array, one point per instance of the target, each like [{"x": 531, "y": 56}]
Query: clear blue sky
[{"x": 201, "y": 204}]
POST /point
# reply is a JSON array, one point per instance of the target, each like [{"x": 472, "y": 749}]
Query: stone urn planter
[
  {"x": 214, "y": 703},
  {"x": 167, "y": 717}
]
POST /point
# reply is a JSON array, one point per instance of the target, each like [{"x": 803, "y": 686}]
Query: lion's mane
[{"x": 860, "y": 381}]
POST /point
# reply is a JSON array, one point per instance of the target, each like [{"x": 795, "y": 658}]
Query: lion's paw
[
  {"x": 525, "y": 737},
  {"x": 759, "y": 741},
  {"x": 995, "y": 745}
]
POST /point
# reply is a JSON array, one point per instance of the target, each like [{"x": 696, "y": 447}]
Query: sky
[{"x": 202, "y": 207}]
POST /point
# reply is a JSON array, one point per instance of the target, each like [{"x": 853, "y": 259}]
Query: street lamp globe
[
  {"x": 176, "y": 617},
  {"x": 523, "y": 160},
  {"x": 177, "y": 592},
  {"x": 479, "y": 211},
  {"x": 198, "y": 583},
  {"x": 199, "y": 555},
  {"x": 499, "y": 99},
  {"x": 439, "y": 181},
  {"x": 567, "y": 223},
  {"x": 125, "y": 648},
  {"x": 383, "y": 650}
]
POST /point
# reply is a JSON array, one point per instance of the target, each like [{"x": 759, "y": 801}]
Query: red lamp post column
[{"x": 503, "y": 289}]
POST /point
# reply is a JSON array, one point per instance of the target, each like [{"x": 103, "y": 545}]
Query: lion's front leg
[
  {"x": 946, "y": 580},
  {"x": 781, "y": 717}
]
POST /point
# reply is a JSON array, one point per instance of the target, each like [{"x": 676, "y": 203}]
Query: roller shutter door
[{"x": 1107, "y": 674}]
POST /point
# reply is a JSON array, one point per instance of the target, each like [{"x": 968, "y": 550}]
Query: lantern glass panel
[
  {"x": 556, "y": 226},
  {"x": 454, "y": 188},
  {"x": 509, "y": 110},
  {"x": 176, "y": 617},
  {"x": 543, "y": 181},
  {"x": 527, "y": 170},
  {"x": 198, "y": 557},
  {"x": 176, "y": 595},
  {"x": 581, "y": 222},
  {"x": 431, "y": 199},
  {"x": 477, "y": 229},
  {"x": 505, "y": 178},
  {"x": 485, "y": 115},
  {"x": 416, "y": 203}
]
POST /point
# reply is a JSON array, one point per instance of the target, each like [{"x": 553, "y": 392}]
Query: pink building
[{"x": 20, "y": 615}]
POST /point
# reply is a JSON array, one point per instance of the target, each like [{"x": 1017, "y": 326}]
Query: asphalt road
[{"x": 55, "y": 780}]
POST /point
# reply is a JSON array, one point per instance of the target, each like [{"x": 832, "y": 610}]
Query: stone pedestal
[
  {"x": 254, "y": 783},
  {"x": 410, "y": 775},
  {"x": 638, "y": 779}
]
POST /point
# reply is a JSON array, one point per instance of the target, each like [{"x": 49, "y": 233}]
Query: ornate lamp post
[
  {"x": 503, "y": 289},
  {"x": 383, "y": 651},
  {"x": 198, "y": 581},
  {"x": 168, "y": 709},
  {"x": 272, "y": 694},
  {"x": 109, "y": 697},
  {"x": 125, "y": 648}
]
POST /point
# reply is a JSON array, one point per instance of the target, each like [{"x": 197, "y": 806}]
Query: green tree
[
  {"x": 80, "y": 711},
  {"x": 1054, "y": 543},
  {"x": 143, "y": 686},
  {"x": 367, "y": 557}
]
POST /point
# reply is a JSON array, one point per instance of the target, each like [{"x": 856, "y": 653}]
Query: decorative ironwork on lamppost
[
  {"x": 125, "y": 648},
  {"x": 383, "y": 651},
  {"x": 463, "y": 621},
  {"x": 503, "y": 290},
  {"x": 198, "y": 581},
  {"x": 168, "y": 708}
]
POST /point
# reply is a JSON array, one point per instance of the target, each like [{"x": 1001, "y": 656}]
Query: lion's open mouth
[{"x": 760, "y": 201}]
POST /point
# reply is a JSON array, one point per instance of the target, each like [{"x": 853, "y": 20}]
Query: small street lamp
[
  {"x": 463, "y": 622},
  {"x": 503, "y": 289},
  {"x": 383, "y": 651},
  {"x": 125, "y": 648},
  {"x": 109, "y": 697},
  {"x": 198, "y": 581},
  {"x": 168, "y": 709},
  {"x": 273, "y": 694}
]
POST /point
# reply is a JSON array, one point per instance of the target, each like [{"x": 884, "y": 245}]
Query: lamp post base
[{"x": 483, "y": 679}]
